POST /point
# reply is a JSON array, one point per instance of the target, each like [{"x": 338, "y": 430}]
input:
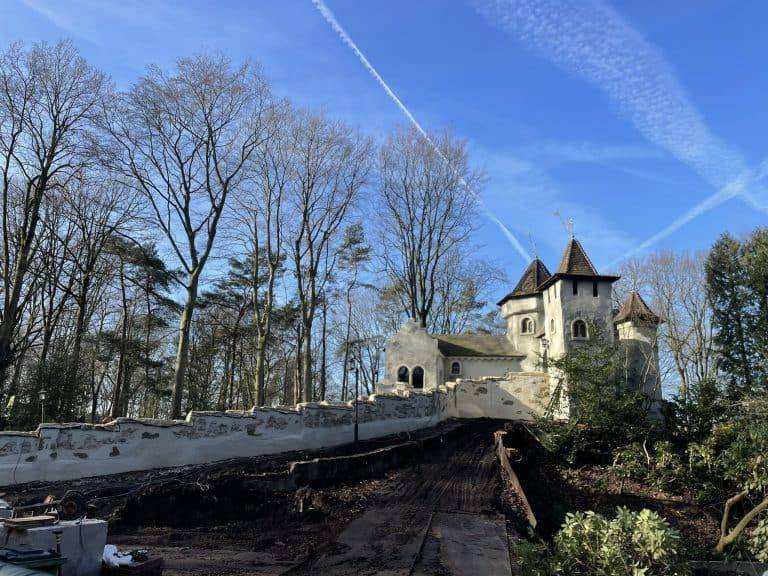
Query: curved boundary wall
[
  {"x": 56, "y": 452},
  {"x": 67, "y": 451}
]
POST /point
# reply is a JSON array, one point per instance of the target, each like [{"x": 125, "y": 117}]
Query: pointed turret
[
  {"x": 637, "y": 328},
  {"x": 576, "y": 261},
  {"x": 535, "y": 275},
  {"x": 575, "y": 264},
  {"x": 635, "y": 309}
]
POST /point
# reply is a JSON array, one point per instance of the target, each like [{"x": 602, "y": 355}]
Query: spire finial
[
  {"x": 533, "y": 246},
  {"x": 568, "y": 225}
]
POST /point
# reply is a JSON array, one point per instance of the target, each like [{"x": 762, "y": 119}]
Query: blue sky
[{"x": 644, "y": 122}]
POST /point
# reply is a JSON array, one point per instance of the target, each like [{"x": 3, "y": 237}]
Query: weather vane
[
  {"x": 567, "y": 224},
  {"x": 533, "y": 246}
]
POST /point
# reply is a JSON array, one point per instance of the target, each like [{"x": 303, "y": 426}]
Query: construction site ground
[{"x": 440, "y": 513}]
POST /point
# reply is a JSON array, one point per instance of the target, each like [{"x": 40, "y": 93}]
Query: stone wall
[
  {"x": 66, "y": 451},
  {"x": 518, "y": 396}
]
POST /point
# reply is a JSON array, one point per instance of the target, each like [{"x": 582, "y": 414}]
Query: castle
[{"x": 546, "y": 315}]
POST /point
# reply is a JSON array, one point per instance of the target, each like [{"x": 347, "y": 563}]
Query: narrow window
[
  {"x": 579, "y": 329},
  {"x": 594, "y": 288},
  {"x": 552, "y": 325},
  {"x": 418, "y": 377},
  {"x": 455, "y": 368},
  {"x": 527, "y": 326},
  {"x": 575, "y": 287},
  {"x": 402, "y": 374}
]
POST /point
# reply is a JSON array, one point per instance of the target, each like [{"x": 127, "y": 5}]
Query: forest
[{"x": 198, "y": 242}]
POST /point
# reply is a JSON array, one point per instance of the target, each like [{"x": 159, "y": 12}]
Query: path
[{"x": 443, "y": 523}]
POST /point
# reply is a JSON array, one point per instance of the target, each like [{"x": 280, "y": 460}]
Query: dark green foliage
[
  {"x": 736, "y": 312},
  {"x": 691, "y": 417},
  {"x": 605, "y": 413},
  {"x": 64, "y": 396}
]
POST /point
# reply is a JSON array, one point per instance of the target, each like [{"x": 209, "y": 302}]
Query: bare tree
[
  {"x": 98, "y": 209},
  {"x": 427, "y": 212},
  {"x": 186, "y": 138},
  {"x": 331, "y": 166},
  {"x": 49, "y": 96},
  {"x": 462, "y": 288},
  {"x": 260, "y": 210}
]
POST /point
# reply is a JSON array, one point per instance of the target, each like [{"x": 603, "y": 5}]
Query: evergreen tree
[
  {"x": 756, "y": 264},
  {"x": 735, "y": 315}
]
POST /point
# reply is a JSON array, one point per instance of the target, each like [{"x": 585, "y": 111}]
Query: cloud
[
  {"x": 612, "y": 156},
  {"x": 592, "y": 41},
  {"x": 64, "y": 20},
  {"x": 331, "y": 20},
  {"x": 522, "y": 188}
]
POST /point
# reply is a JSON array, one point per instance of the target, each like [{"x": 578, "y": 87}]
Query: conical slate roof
[
  {"x": 576, "y": 261},
  {"x": 635, "y": 309},
  {"x": 534, "y": 275}
]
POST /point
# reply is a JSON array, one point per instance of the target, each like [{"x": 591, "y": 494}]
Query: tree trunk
[
  {"x": 259, "y": 391},
  {"x": 345, "y": 371},
  {"x": 11, "y": 309},
  {"x": 306, "y": 363},
  {"x": 323, "y": 353},
  {"x": 182, "y": 352},
  {"x": 82, "y": 303},
  {"x": 117, "y": 395}
]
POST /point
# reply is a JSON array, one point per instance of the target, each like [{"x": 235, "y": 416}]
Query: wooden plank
[
  {"x": 508, "y": 473},
  {"x": 460, "y": 544}
]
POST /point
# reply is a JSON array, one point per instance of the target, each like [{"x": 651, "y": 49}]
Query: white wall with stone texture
[{"x": 57, "y": 452}]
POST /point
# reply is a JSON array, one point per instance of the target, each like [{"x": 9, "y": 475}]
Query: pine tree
[
  {"x": 735, "y": 315},
  {"x": 756, "y": 264}
]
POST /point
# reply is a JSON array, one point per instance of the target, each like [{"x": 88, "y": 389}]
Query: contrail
[
  {"x": 591, "y": 40},
  {"x": 331, "y": 19}
]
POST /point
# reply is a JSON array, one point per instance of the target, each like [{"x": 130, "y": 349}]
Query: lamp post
[
  {"x": 43, "y": 395},
  {"x": 352, "y": 367}
]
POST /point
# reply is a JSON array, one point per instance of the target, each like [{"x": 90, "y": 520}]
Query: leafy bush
[
  {"x": 693, "y": 416},
  {"x": 668, "y": 470},
  {"x": 758, "y": 541},
  {"x": 662, "y": 467},
  {"x": 605, "y": 412},
  {"x": 631, "y": 462},
  {"x": 633, "y": 543}
]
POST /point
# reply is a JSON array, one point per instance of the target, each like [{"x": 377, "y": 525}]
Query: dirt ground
[
  {"x": 207, "y": 520},
  {"x": 460, "y": 475}
]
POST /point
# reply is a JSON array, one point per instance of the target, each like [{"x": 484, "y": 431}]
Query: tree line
[{"x": 195, "y": 241}]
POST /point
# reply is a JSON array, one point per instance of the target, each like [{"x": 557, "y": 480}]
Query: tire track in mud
[{"x": 459, "y": 477}]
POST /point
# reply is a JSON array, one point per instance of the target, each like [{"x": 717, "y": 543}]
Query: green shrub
[
  {"x": 662, "y": 467},
  {"x": 631, "y": 462},
  {"x": 668, "y": 471},
  {"x": 588, "y": 544},
  {"x": 758, "y": 541}
]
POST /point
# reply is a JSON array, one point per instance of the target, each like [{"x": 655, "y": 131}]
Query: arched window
[
  {"x": 402, "y": 374},
  {"x": 527, "y": 326},
  {"x": 579, "y": 329},
  {"x": 455, "y": 368},
  {"x": 552, "y": 325},
  {"x": 418, "y": 377}
]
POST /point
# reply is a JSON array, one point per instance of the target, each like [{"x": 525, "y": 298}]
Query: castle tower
[
  {"x": 575, "y": 298},
  {"x": 637, "y": 328},
  {"x": 577, "y": 301},
  {"x": 523, "y": 311}
]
